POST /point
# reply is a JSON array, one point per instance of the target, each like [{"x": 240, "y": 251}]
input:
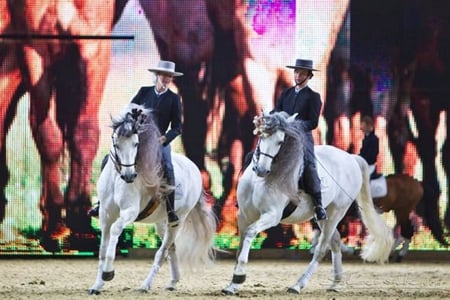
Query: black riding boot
[
  {"x": 171, "y": 215},
  {"x": 320, "y": 212},
  {"x": 170, "y": 204}
]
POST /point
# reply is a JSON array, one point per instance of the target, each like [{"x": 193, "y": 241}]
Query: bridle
[
  {"x": 115, "y": 158},
  {"x": 258, "y": 153}
]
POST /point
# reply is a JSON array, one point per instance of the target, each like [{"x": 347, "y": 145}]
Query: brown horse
[
  {"x": 50, "y": 50},
  {"x": 403, "y": 194}
]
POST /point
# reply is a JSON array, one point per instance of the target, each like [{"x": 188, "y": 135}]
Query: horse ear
[{"x": 291, "y": 118}]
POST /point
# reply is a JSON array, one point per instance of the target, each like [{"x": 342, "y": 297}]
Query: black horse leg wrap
[{"x": 238, "y": 278}]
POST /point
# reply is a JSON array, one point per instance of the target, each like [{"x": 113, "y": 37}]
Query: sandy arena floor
[{"x": 70, "y": 279}]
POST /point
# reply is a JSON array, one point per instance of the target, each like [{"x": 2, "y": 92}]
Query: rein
[{"x": 118, "y": 163}]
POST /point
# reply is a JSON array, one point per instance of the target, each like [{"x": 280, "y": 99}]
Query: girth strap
[
  {"x": 288, "y": 210},
  {"x": 148, "y": 210}
]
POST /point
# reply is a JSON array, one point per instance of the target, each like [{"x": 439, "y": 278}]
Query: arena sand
[{"x": 266, "y": 279}]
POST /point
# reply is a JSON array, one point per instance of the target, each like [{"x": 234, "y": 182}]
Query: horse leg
[
  {"x": 319, "y": 253},
  {"x": 127, "y": 216},
  {"x": 328, "y": 229},
  {"x": 192, "y": 46},
  {"x": 82, "y": 128},
  {"x": 427, "y": 121},
  {"x": 315, "y": 239},
  {"x": 336, "y": 258},
  {"x": 398, "y": 238},
  {"x": 48, "y": 139},
  {"x": 174, "y": 270},
  {"x": 11, "y": 91},
  {"x": 105, "y": 227},
  {"x": 406, "y": 233},
  {"x": 168, "y": 239},
  {"x": 80, "y": 82},
  {"x": 247, "y": 233},
  {"x": 173, "y": 261}
]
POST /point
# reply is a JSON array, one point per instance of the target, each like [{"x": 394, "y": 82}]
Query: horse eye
[
  {"x": 280, "y": 143},
  {"x": 136, "y": 145}
]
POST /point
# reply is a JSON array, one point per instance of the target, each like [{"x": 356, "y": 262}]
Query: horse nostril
[
  {"x": 254, "y": 168},
  {"x": 129, "y": 178}
]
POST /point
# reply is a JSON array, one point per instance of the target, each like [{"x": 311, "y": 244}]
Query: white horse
[
  {"x": 270, "y": 183},
  {"x": 131, "y": 188}
]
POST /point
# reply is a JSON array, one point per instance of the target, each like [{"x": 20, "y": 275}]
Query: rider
[
  {"x": 370, "y": 144},
  {"x": 303, "y": 100},
  {"x": 167, "y": 107}
]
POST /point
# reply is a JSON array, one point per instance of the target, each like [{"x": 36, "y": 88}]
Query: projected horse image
[
  {"x": 423, "y": 73},
  {"x": 270, "y": 183},
  {"x": 44, "y": 53},
  {"x": 131, "y": 189}
]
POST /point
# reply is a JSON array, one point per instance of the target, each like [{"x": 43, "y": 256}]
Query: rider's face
[
  {"x": 365, "y": 128},
  {"x": 301, "y": 75},
  {"x": 164, "y": 79}
]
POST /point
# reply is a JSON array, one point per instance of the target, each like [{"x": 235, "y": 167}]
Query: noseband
[{"x": 116, "y": 160}]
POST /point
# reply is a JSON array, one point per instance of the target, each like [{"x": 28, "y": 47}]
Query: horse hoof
[
  {"x": 399, "y": 258},
  {"x": 108, "y": 276},
  {"x": 170, "y": 288},
  {"x": 293, "y": 291},
  {"x": 238, "y": 279},
  {"x": 227, "y": 292},
  {"x": 93, "y": 292}
]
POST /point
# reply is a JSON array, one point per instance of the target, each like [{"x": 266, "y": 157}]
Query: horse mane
[
  {"x": 138, "y": 119},
  {"x": 288, "y": 164}
]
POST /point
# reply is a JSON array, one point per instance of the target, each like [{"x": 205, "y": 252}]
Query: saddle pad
[{"x": 378, "y": 187}]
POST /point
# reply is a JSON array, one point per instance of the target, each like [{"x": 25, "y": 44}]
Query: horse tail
[
  {"x": 379, "y": 241},
  {"x": 430, "y": 206},
  {"x": 195, "y": 240}
]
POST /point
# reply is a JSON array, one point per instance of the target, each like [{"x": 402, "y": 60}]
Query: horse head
[
  {"x": 125, "y": 140},
  {"x": 271, "y": 129}
]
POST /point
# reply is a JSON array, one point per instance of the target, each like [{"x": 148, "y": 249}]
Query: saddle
[{"x": 378, "y": 186}]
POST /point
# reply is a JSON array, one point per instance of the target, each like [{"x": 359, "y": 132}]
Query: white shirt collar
[
  {"x": 298, "y": 88},
  {"x": 158, "y": 93}
]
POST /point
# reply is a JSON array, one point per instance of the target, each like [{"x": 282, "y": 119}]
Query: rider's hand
[
  {"x": 258, "y": 121},
  {"x": 162, "y": 139}
]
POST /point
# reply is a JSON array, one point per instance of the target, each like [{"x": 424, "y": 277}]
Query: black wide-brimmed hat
[
  {"x": 166, "y": 66},
  {"x": 306, "y": 64}
]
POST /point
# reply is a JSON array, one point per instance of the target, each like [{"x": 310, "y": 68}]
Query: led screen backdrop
[{"x": 65, "y": 73}]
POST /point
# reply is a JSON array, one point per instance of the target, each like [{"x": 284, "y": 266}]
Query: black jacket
[
  {"x": 369, "y": 149},
  {"x": 306, "y": 103},
  {"x": 167, "y": 109}
]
